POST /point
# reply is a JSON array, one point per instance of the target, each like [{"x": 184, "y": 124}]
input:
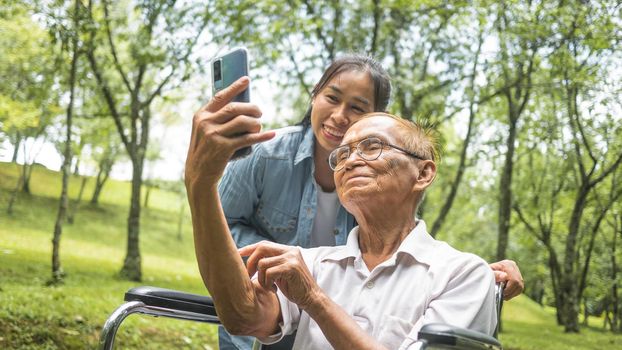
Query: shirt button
[
  {"x": 369, "y": 285},
  {"x": 335, "y": 232}
]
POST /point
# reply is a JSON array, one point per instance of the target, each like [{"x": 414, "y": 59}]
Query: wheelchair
[{"x": 179, "y": 305}]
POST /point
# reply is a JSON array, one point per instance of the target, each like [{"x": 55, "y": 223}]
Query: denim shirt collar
[{"x": 305, "y": 150}]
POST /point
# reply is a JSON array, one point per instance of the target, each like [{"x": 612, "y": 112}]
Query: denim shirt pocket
[{"x": 278, "y": 224}]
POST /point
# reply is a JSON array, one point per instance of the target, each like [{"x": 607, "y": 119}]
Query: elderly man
[{"x": 379, "y": 289}]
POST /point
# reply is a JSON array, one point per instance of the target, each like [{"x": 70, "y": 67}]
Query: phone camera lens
[{"x": 217, "y": 72}]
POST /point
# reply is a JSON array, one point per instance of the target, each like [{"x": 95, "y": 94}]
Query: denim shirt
[{"x": 271, "y": 194}]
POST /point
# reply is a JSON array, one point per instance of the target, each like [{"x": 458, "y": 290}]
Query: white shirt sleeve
[{"x": 466, "y": 300}]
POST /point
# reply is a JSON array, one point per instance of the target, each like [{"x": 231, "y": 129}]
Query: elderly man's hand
[
  {"x": 283, "y": 266},
  {"x": 507, "y": 271},
  {"x": 218, "y": 129}
]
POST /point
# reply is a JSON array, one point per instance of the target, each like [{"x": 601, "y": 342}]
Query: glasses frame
[{"x": 360, "y": 153}]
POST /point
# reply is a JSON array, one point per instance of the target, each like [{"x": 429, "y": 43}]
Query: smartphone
[{"x": 225, "y": 70}]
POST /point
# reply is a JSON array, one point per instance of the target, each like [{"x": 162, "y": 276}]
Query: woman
[
  {"x": 379, "y": 289},
  {"x": 284, "y": 191}
]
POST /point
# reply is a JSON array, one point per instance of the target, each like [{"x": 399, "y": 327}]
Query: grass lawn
[{"x": 70, "y": 316}]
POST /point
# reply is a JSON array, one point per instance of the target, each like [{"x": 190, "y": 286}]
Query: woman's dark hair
[{"x": 356, "y": 62}]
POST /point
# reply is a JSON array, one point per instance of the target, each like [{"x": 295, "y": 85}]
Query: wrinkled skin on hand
[
  {"x": 283, "y": 266},
  {"x": 507, "y": 271},
  {"x": 219, "y": 128}
]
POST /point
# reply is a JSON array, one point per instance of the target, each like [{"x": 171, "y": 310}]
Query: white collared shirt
[{"x": 425, "y": 281}]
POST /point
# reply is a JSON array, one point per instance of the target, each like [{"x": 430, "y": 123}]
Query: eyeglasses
[{"x": 368, "y": 149}]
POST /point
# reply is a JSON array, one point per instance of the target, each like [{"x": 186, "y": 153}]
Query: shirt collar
[
  {"x": 305, "y": 150},
  {"x": 418, "y": 244}
]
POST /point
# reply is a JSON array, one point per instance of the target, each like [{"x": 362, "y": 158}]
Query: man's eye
[
  {"x": 371, "y": 145},
  {"x": 343, "y": 155}
]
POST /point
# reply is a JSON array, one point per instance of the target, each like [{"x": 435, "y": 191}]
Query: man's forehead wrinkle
[{"x": 369, "y": 127}]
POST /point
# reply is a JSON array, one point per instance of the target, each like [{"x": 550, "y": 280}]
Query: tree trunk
[
  {"x": 18, "y": 142},
  {"x": 615, "y": 302},
  {"x": 76, "y": 204},
  {"x": 505, "y": 190},
  {"x": 57, "y": 271},
  {"x": 76, "y": 168},
  {"x": 586, "y": 313},
  {"x": 102, "y": 176},
  {"x": 132, "y": 263},
  {"x": 13, "y": 198},
  {"x": 453, "y": 191},
  {"x": 26, "y": 173},
  {"x": 147, "y": 193}
]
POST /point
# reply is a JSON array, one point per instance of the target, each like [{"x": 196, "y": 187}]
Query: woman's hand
[
  {"x": 218, "y": 129},
  {"x": 507, "y": 271},
  {"x": 284, "y": 267}
]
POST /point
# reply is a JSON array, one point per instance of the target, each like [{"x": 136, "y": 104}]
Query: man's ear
[{"x": 427, "y": 174}]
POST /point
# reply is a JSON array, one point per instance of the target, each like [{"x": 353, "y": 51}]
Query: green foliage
[{"x": 29, "y": 98}]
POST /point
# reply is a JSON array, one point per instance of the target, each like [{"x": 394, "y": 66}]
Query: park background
[{"x": 96, "y": 99}]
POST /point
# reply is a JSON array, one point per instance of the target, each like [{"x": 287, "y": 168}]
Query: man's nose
[{"x": 353, "y": 159}]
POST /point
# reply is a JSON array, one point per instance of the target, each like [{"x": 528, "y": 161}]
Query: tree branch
[{"x": 113, "y": 49}]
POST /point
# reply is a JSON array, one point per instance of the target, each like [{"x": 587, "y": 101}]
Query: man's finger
[
  {"x": 257, "y": 251},
  {"x": 240, "y": 125},
  {"x": 247, "y": 250},
  {"x": 511, "y": 291},
  {"x": 232, "y": 110},
  {"x": 224, "y": 96},
  {"x": 253, "y": 138}
]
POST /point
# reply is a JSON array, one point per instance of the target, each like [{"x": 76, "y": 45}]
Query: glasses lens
[
  {"x": 338, "y": 157},
  {"x": 370, "y": 148}
]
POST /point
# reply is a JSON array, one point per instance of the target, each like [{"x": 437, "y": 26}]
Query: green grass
[
  {"x": 70, "y": 316},
  {"x": 528, "y": 326}
]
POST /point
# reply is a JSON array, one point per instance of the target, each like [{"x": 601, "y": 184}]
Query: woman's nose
[{"x": 340, "y": 115}]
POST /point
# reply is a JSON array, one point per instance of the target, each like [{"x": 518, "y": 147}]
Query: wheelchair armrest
[
  {"x": 158, "y": 302},
  {"x": 442, "y": 336},
  {"x": 172, "y": 299}
]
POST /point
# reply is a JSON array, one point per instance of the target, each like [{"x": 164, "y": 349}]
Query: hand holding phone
[{"x": 225, "y": 70}]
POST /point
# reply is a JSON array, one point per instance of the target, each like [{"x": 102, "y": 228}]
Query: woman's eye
[
  {"x": 331, "y": 98},
  {"x": 358, "y": 110}
]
